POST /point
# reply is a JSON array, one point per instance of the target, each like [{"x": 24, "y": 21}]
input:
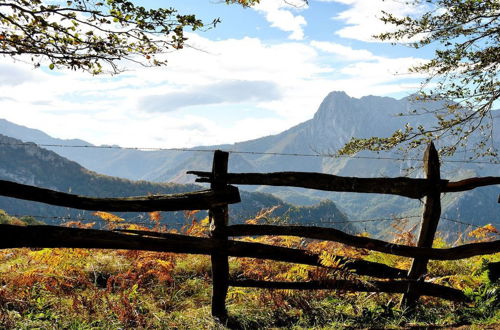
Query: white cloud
[
  {"x": 383, "y": 69},
  {"x": 104, "y": 110},
  {"x": 12, "y": 74},
  {"x": 342, "y": 52},
  {"x": 363, "y": 17},
  {"x": 231, "y": 91},
  {"x": 280, "y": 14}
]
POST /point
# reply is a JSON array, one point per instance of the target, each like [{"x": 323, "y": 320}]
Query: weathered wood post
[
  {"x": 430, "y": 220},
  {"x": 218, "y": 223}
]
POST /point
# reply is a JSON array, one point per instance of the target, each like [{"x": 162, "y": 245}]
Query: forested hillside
[{"x": 32, "y": 165}]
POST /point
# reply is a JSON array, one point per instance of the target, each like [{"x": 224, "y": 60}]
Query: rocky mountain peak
[
  {"x": 341, "y": 117},
  {"x": 334, "y": 102}
]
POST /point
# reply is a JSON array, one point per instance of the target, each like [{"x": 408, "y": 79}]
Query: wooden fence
[{"x": 221, "y": 193}]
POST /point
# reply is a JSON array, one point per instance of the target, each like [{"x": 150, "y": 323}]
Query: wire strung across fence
[
  {"x": 495, "y": 162},
  {"x": 167, "y": 222},
  {"x": 189, "y": 221}
]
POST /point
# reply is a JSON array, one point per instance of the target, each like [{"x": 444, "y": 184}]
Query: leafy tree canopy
[
  {"x": 464, "y": 73},
  {"x": 93, "y": 35}
]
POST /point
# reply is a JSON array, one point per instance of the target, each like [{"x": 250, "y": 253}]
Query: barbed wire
[
  {"x": 188, "y": 221},
  {"x": 80, "y": 219},
  {"x": 462, "y": 222},
  {"x": 367, "y": 220},
  {"x": 244, "y": 152},
  {"x": 152, "y": 224}
]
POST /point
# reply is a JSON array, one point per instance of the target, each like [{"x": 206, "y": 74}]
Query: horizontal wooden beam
[
  {"x": 330, "y": 234},
  {"x": 407, "y": 187},
  {"x": 277, "y": 253},
  {"x": 198, "y": 200},
  {"x": 423, "y": 288},
  {"x": 471, "y": 183},
  {"x": 62, "y": 237}
]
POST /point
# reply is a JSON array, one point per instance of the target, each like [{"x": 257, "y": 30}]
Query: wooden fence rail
[
  {"x": 198, "y": 200},
  {"x": 330, "y": 234},
  {"x": 423, "y": 288},
  {"x": 62, "y": 237},
  {"x": 220, "y": 247},
  {"x": 406, "y": 187}
]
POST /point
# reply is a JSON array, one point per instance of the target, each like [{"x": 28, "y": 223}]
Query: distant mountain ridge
[
  {"x": 338, "y": 118},
  {"x": 32, "y": 165},
  {"x": 34, "y": 135}
]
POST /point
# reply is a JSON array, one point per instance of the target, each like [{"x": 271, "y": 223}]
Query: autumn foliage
[{"x": 130, "y": 289}]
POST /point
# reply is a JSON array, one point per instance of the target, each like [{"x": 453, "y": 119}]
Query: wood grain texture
[
  {"x": 407, "y": 187},
  {"x": 198, "y": 200},
  {"x": 219, "y": 217},
  {"x": 471, "y": 183},
  {"x": 61, "y": 237},
  {"x": 425, "y": 289},
  {"x": 430, "y": 220},
  {"x": 330, "y": 234}
]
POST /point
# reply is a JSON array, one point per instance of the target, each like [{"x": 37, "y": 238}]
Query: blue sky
[{"x": 259, "y": 72}]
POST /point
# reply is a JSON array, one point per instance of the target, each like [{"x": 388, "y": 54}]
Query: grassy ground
[{"x": 98, "y": 289}]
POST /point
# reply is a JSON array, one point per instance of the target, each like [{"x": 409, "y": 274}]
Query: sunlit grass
[{"x": 94, "y": 289}]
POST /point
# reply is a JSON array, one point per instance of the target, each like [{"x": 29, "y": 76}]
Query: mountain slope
[{"x": 32, "y": 165}]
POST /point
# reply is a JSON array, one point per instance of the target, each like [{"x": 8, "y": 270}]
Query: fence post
[
  {"x": 430, "y": 220},
  {"x": 218, "y": 223}
]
